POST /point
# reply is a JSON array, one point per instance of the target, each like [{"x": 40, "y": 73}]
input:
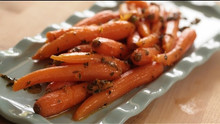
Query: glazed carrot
[
  {"x": 132, "y": 40},
  {"x": 113, "y": 30},
  {"x": 141, "y": 4},
  {"x": 148, "y": 41},
  {"x": 99, "y": 18},
  {"x": 77, "y": 72},
  {"x": 109, "y": 47},
  {"x": 156, "y": 27},
  {"x": 153, "y": 14},
  {"x": 184, "y": 42},
  {"x": 171, "y": 29},
  {"x": 143, "y": 56},
  {"x": 60, "y": 100},
  {"x": 143, "y": 29},
  {"x": 57, "y": 85},
  {"x": 84, "y": 57},
  {"x": 81, "y": 48},
  {"x": 128, "y": 81},
  {"x": 52, "y": 35}
]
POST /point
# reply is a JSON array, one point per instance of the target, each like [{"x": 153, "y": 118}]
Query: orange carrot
[
  {"x": 113, "y": 30},
  {"x": 148, "y": 41},
  {"x": 60, "y": 100},
  {"x": 77, "y": 72},
  {"x": 153, "y": 14},
  {"x": 132, "y": 40},
  {"x": 171, "y": 29},
  {"x": 109, "y": 47},
  {"x": 143, "y": 29},
  {"x": 84, "y": 57},
  {"x": 52, "y": 35},
  {"x": 81, "y": 48},
  {"x": 156, "y": 27},
  {"x": 128, "y": 81},
  {"x": 99, "y": 18},
  {"x": 57, "y": 85},
  {"x": 143, "y": 56},
  {"x": 184, "y": 42}
]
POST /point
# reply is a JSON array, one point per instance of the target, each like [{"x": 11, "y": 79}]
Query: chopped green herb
[
  {"x": 98, "y": 86},
  {"x": 146, "y": 52},
  {"x": 58, "y": 49},
  {"x": 112, "y": 73},
  {"x": 196, "y": 21},
  {"x": 9, "y": 79},
  {"x": 143, "y": 10},
  {"x": 57, "y": 63},
  {"x": 96, "y": 43},
  {"x": 137, "y": 57},
  {"x": 152, "y": 3},
  {"x": 183, "y": 28},
  {"x": 28, "y": 83},
  {"x": 76, "y": 49},
  {"x": 174, "y": 17},
  {"x": 75, "y": 71},
  {"x": 150, "y": 17},
  {"x": 86, "y": 64},
  {"x": 165, "y": 57},
  {"x": 84, "y": 42},
  {"x": 109, "y": 92},
  {"x": 133, "y": 18},
  {"x": 102, "y": 60},
  {"x": 153, "y": 77},
  {"x": 80, "y": 76},
  {"x": 161, "y": 19}
]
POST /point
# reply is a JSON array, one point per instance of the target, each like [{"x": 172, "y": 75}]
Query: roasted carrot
[
  {"x": 148, "y": 41},
  {"x": 113, "y": 30},
  {"x": 144, "y": 29},
  {"x": 60, "y": 100},
  {"x": 85, "y": 57},
  {"x": 52, "y": 35},
  {"x": 77, "y": 72},
  {"x": 81, "y": 48},
  {"x": 109, "y": 47},
  {"x": 171, "y": 29},
  {"x": 99, "y": 18},
  {"x": 143, "y": 56},
  {"x": 184, "y": 42},
  {"x": 128, "y": 81},
  {"x": 132, "y": 40},
  {"x": 156, "y": 27},
  {"x": 57, "y": 85},
  {"x": 153, "y": 14}
]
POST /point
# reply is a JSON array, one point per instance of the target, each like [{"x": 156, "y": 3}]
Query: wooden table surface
[{"x": 192, "y": 100}]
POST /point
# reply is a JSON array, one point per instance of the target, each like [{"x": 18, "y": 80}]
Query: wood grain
[{"x": 192, "y": 100}]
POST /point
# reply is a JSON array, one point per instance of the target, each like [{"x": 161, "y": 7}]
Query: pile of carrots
[{"x": 106, "y": 56}]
